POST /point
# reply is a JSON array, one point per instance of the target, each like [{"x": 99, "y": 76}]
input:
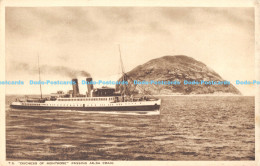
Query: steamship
[{"x": 98, "y": 99}]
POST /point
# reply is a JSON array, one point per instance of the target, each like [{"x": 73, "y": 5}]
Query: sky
[{"x": 86, "y": 39}]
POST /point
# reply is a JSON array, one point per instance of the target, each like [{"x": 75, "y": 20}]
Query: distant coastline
[{"x": 204, "y": 95}]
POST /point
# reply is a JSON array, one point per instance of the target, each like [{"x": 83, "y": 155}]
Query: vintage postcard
[{"x": 129, "y": 83}]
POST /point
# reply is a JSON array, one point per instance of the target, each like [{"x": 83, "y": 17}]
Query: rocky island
[{"x": 178, "y": 68}]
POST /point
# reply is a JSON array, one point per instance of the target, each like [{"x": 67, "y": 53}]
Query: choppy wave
[{"x": 193, "y": 128}]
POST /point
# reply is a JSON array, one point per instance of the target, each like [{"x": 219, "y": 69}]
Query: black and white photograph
[{"x": 129, "y": 83}]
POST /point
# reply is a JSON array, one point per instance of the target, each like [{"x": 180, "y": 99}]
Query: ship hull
[{"x": 121, "y": 108}]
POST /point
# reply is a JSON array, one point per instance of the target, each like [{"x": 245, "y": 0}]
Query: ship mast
[
  {"x": 40, "y": 76},
  {"x": 122, "y": 67},
  {"x": 121, "y": 61},
  {"x": 125, "y": 77}
]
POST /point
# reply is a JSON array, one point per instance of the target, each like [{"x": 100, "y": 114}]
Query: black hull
[{"x": 123, "y": 108}]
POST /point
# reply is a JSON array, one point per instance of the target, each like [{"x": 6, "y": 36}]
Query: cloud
[
  {"x": 87, "y": 37},
  {"x": 18, "y": 67}
]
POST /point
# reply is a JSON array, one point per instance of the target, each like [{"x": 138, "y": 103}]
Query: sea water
[{"x": 187, "y": 128}]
